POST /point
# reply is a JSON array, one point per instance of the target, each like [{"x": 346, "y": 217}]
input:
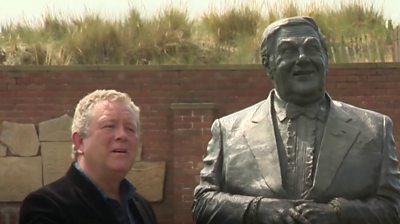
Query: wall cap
[
  {"x": 193, "y": 106},
  {"x": 127, "y": 68}
]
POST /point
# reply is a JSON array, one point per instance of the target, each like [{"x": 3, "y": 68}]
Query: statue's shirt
[{"x": 299, "y": 132}]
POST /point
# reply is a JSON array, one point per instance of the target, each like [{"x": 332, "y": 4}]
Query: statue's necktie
[{"x": 293, "y": 111}]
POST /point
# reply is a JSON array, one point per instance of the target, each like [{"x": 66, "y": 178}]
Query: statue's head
[{"x": 294, "y": 54}]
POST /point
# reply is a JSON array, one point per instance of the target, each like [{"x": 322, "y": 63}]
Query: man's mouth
[{"x": 122, "y": 151}]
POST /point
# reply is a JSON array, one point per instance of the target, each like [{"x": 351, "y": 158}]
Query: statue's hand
[
  {"x": 276, "y": 211},
  {"x": 318, "y": 213}
]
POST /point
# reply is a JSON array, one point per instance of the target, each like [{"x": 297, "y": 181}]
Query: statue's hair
[
  {"x": 84, "y": 111},
  {"x": 269, "y": 37}
]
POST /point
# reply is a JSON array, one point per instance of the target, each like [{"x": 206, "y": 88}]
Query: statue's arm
[
  {"x": 211, "y": 204},
  {"x": 384, "y": 207}
]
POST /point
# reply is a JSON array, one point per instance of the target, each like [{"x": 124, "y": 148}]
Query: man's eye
[
  {"x": 108, "y": 126},
  {"x": 131, "y": 130}
]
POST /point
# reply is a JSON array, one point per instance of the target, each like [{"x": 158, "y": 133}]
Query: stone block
[
  {"x": 19, "y": 177},
  {"x": 12, "y": 135},
  {"x": 148, "y": 178},
  {"x": 3, "y": 150},
  {"x": 56, "y": 158},
  {"x": 56, "y": 130}
]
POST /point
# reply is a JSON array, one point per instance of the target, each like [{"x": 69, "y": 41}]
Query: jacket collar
[
  {"x": 337, "y": 139},
  {"x": 90, "y": 195},
  {"x": 93, "y": 199}
]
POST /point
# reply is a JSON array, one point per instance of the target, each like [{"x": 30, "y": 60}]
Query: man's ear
[{"x": 78, "y": 143}]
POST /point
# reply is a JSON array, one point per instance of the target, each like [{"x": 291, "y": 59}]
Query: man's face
[
  {"x": 300, "y": 65},
  {"x": 111, "y": 144}
]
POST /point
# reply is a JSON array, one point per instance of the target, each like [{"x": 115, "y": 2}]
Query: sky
[{"x": 12, "y": 11}]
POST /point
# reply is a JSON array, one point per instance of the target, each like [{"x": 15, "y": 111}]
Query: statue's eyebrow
[
  {"x": 309, "y": 40},
  {"x": 286, "y": 42}
]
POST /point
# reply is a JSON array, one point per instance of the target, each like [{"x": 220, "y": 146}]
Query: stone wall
[
  {"x": 178, "y": 105},
  {"x": 31, "y": 158}
]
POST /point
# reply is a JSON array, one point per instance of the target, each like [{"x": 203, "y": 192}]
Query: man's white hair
[{"x": 84, "y": 111}]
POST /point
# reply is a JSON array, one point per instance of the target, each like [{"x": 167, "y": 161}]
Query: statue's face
[{"x": 300, "y": 65}]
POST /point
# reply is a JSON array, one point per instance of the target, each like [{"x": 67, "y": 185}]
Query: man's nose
[{"x": 121, "y": 133}]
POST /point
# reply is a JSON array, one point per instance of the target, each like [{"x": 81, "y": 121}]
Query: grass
[{"x": 230, "y": 35}]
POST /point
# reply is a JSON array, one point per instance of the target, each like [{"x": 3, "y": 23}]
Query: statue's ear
[
  {"x": 326, "y": 65},
  {"x": 265, "y": 60}
]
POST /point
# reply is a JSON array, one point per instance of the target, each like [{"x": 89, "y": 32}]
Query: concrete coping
[
  {"x": 127, "y": 68},
  {"x": 193, "y": 106}
]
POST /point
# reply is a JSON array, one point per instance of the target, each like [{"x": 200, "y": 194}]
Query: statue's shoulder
[
  {"x": 245, "y": 112},
  {"x": 356, "y": 112},
  {"x": 244, "y": 115}
]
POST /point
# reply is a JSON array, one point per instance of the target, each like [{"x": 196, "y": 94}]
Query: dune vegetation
[{"x": 356, "y": 32}]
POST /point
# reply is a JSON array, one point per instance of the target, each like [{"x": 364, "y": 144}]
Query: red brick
[{"x": 180, "y": 137}]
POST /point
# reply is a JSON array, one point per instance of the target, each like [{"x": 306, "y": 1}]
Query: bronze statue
[{"x": 299, "y": 156}]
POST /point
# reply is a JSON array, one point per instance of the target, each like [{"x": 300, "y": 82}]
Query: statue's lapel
[
  {"x": 337, "y": 140},
  {"x": 261, "y": 140}
]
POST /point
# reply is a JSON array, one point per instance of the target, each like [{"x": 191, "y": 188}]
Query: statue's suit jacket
[
  {"x": 357, "y": 162},
  {"x": 73, "y": 199}
]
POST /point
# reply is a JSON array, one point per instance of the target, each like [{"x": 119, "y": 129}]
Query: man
[
  {"x": 105, "y": 135},
  {"x": 299, "y": 156}
]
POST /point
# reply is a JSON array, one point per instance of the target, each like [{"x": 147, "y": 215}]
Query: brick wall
[{"x": 178, "y": 105}]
